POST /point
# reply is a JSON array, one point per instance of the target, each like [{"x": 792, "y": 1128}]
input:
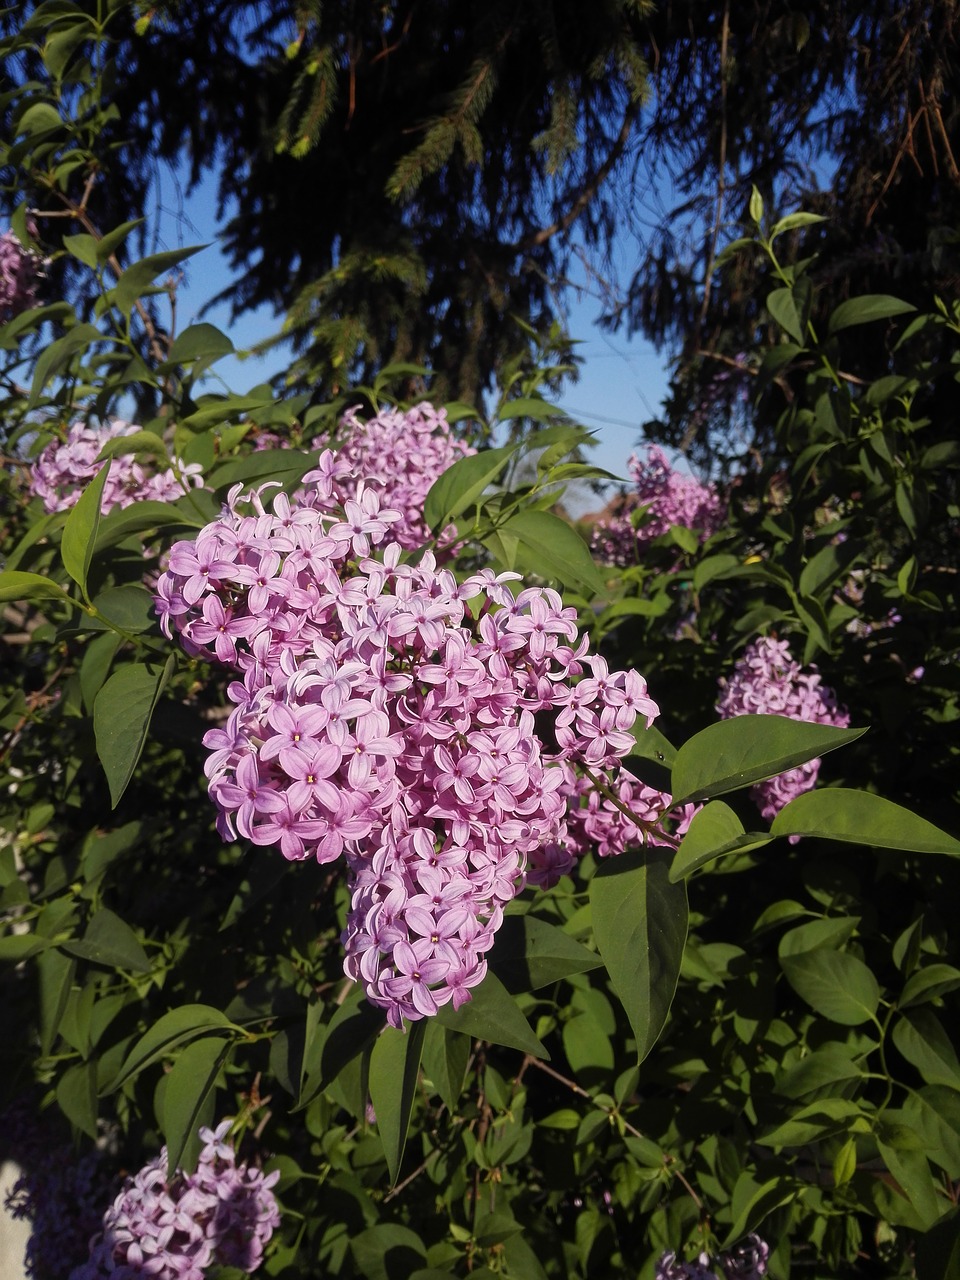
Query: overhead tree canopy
[{"x": 410, "y": 181}]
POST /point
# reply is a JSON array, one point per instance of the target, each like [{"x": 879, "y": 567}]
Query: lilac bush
[
  {"x": 176, "y": 1228},
  {"x": 662, "y": 497},
  {"x": 386, "y": 713},
  {"x": 63, "y": 469},
  {"x": 768, "y": 681}
]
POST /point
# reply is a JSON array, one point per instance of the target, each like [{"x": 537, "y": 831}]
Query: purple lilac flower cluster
[
  {"x": 175, "y": 1228},
  {"x": 60, "y": 1192},
  {"x": 767, "y": 681},
  {"x": 403, "y": 452},
  {"x": 19, "y": 276},
  {"x": 386, "y": 714},
  {"x": 666, "y": 497},
  {"x": 63, "y": 470},
  {"x": 747, "y": 1262}
]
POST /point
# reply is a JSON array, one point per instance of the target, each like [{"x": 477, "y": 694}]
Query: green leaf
[
  {"x": 189, "y": 1098},
  {"x": 492, "y": 1014},
  {"x": 929, "y": 984},
  {"x": 859, "y": 817},
  {"x": 530, "y": 953},
  {"x": 640, "y": 925},
  {"x": 827, "y": 1069},
  {"x": 40, "y": 118},
  {"x": 56, "y": 972},
  {"x": 529, "y": 407},
  {"x": 121, "y": 719},
  {"x": 834, "y": 983},
  {"x": 138, "y": 277},
  {"x": 871, "y": 306},
  {"x": 143, "y": 517},
  {"x": 745, "y": 749},
  {"x": 394, "y": 1066},
  {"x": 817, "y": 1120},
  {"x": 112, "y": 241},
  {"x": 782, "y": 305},
  {"x": 445, "y": 1057},
  {"x": 110, "y": 941},
  {"x": 83, "y": 248},
  {"x": 129, "y": 608},
  {"x": 137, "y": 442},
  {"x": 58, "y": 355},
  {"x": 80, "y": 531},
  {"x": 555, "y": 550},
  {"x": 920, "y": 1037},
  {"x": 753, "y": 1201},
  {"x": 387, "y": 1251},
  {"x": 352, "y": 1029},
  {"x": 169, "y": 1031},
  {"x": 912, "y": 1173},
  {"x": 828, "y": 566},
  {"x": 200, "y": 341},
  {"x": 793, "y": 221},
  {"x": 20, "y": 946},
  {"x": 77, "y": 1096},
  {"x": 269, "y": 464},
  {"x": 462, "y": 485},
  {"x": 714, "y": 831},
  {"x": 15, "y": 585}
]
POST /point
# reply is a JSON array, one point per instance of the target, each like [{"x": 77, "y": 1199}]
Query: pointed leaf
[
  {"x": 172, "y": 1029},
  {"x": 871, "y": 306},
  {"x": 860, "y": 817},
  {"x": 121, "y": 720},
  {"x": 110, "y": 941},
  {"x": 920, "y": 1037},
  {"x": 555, "y": 550},
  {"x": 80, "y": 531},
  {"x": 77, "y": 1096},
  {"x": 189, "y": 1096},
  {"x": 140, "y": 275},
  {"x": 445, "y": 1057},
  {"x": 200, "y": 341},
  {"x": 461, "y": 485},
  {"x": 58, "y": 355},
  {"x": 15, "y": 585},
  {"x": 394, "y": 1066},
  {"x": 352, "y": 1029},
  {"x": 530, "y": 953},
  {"x": 492, "y": 1014},
  {"x": 714, "y": 831},
  {"x": 745, "y": 749},
  {"x": 640, "y": 924},
  {"x": 834, "y": 983}
]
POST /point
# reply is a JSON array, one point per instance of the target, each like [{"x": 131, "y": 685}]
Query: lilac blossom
[
  {"x": 63, "y": 469},
  {"x": 748, "y": 1261},
  {"x": 767, "y": 681},
  {"x": 385, "y": 714},
  {"x": 19, "y": 276},
  {"x": 176, "y": 1228},
  {"x": 661, "y": 498}
]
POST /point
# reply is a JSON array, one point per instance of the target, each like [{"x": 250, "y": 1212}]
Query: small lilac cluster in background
[
  {"x": 748, "y": 1261},
  {"x": 432, "y": 734},
  {"x": 19, "y": 277},
  {"x": 666, "y": 497},
  {"x": 767, "y": 681},
  {"x": 403, "y": 452},
  {"x": 59, "y": 1192},
  {"x": 62, "y": 471},
  {"x": 223, "y": 1215}
]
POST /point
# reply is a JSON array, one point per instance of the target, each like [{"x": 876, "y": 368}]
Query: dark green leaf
[
  {"x": 129, "y": 608},
  {"x": 554, "y": 550},
  {"x": 352, "y": 1029},
  {"x": 938, "y": 1250},
  {"x": 270, "y": 464},
  {"x": 445, "y": 1057},
  {"x": 58, "y": 355},
  {"x": 835, "y": 984},
  {"x": 15, "y": 585},
  {"x": 928, "y": 984},
  {"x": 80, "y": 530},
  {"x": 492, "y": 1014},
  {"x": 77, "y": 1096},
  {"x": 189, "y": 1098},
  {"x": 110, "y": 941},
  {"x": 121, "y": 719},
  {"x": 829, "y": 1069},
  {"x": 783, "y": 307},
  {"x": 97, "y": 660},
  {"x": 387, "y": 1251},
  {"x": 860, "y": 817},
  {"x": 394, "y": 1066},
  {"x": 461, "y": 485},
  {"x": 870, "y": 306},
  {"x": 640, "y": 924},
  {"x": 172, "y": 1029},
  {"x": 200, "y": 341},
  {"x": 714, "y": 831},
  {"x": 752, "y": 1202},
  {"x": 138, "y": 277},
  {"x": 920, "y": 1037},
  {"x": 530, "y": 953},
  {"x": 817, "y": 1120},
  {"x": 745, "y": 749}
]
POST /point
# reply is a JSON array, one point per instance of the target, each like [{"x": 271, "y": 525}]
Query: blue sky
[{"x": 621, "y": 385}]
